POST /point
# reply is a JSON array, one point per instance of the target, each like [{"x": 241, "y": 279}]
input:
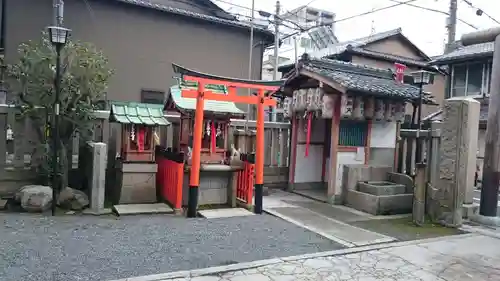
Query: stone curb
[
  {"x": 248, "y": 265},
  {"x": 485, "y": 232},
  {"x": 489, "y": 221}
]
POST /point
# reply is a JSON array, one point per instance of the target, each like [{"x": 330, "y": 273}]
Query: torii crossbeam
[{"x": 261, "y": 100}]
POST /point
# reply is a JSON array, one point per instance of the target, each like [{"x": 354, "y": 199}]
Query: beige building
[{"x": 143, "y": 38}]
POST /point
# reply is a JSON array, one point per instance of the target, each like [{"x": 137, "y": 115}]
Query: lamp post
[
  {"x": 58, "y": 37},
  {"x": 421, "y": 78}
]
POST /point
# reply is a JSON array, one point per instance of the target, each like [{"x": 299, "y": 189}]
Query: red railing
[
  {"x": 170, "y": 176},
  {"x": 245, "y": 180}
]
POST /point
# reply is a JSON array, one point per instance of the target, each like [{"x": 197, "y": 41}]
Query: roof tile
[
  {"x": 210, "y": 105},
  {"x": 137, "y": 113},
  {"x": 364, "y": 79},
  {"x": 465, "y": 52},
  {"x": 166, "y": 8}
]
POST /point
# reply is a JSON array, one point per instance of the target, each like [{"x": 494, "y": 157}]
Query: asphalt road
[
  {"x": 66, "y": 248},
  {"x": 477, "y": 196}
]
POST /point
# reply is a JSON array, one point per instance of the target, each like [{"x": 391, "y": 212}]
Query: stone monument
[
  {"x": 457, "y": 161},
  {"x": 97, "y": 177}
]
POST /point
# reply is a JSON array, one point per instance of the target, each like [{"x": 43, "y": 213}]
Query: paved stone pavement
[
  {"x": 471, "y": 257},
  {"x": 304, "y": 212}
]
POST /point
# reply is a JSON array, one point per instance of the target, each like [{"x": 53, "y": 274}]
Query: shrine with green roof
[
  {"x": 135, "y": 169},
  {"x": 216, "y": 124}
]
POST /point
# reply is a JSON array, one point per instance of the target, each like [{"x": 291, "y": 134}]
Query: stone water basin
[{"x": 381, "y": 188}]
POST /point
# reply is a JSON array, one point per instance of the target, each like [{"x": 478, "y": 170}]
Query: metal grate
[{"x": 353, "y": 133}]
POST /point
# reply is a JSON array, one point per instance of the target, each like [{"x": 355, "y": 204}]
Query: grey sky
[{"x": 425, "y": 28}]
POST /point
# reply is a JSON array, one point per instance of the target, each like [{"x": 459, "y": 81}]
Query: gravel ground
[{"x": 90, "y": 248}]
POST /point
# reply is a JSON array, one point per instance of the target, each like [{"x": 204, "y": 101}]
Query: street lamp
[
  {"x": 58, "y": 38},
  {"x": 421, "y": 78}
]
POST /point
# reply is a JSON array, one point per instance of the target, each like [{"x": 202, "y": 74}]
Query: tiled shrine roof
[
  {"x": 137, "y": 113},
  {"x": 355, "y": 79}
]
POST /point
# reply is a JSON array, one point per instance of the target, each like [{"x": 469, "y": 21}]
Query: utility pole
[
  {"x": 296, "y": 49},
  {"x": 491, "y": 163},
  {"x": 3, "y": 22},
  {"x": 277, "y": 22},
  {"x": 451, "y": 24},
  {"x": 58, "y": 12},
  {"x": 250, "y": 58}
]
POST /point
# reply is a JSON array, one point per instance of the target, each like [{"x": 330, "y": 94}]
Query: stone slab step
[
  {"x": 380, "y": 189},
  {"x": 225, "y": 213},
  {"x": 135, "y": 209},
  {"x": 3, "y": 204},
  {"x": 334, "y": 230}
]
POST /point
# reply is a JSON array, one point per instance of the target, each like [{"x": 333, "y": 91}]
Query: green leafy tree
[{"x": 85, "y": 73}]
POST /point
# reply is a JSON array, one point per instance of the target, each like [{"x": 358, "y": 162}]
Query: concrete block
[
  {"x": 352, "y": 174},
  {"x": 380, "y": 205},
  {"x": 138, "y": 188},
  {"x": 468, "y": 210},
  {"x": 404, "y": 179},
  {"x": 379, "y": 173},
  {"x": 484, "y": 220},
  {"x": 214, "y": 188},
  {"x": 3, "y": 204},
  {"x": 362, "y": 201},
  {"x": 225, "y": 213},
  {"x": 133, "y": 209},
  {"x": 395, "y": 204},
  {"x": 381, "y": 188}
]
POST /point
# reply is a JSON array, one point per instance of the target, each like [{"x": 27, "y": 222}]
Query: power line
[
  {"x": 432, "y": 10},
  {"x": 262, "y": 13},
  {"x": 350, "y": 17},
  {"x": 480, "y": 12}
]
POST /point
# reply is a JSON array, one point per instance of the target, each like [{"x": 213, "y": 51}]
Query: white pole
[
  {"x": 276, "y": 51},
  {"x": 250, "y": 58}
]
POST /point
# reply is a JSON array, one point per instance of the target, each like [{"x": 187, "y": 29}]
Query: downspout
[
  {"x": 447, "y": 88},
  {"x": 262, "y": 49}
]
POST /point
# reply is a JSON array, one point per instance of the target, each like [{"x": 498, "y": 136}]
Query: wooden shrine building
[
  {"x": 341, "y": 113},
  {"x": 216, "y": 173}
]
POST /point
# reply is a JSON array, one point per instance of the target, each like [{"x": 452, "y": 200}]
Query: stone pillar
[
  {"x": 97, "y": 177},
  {"x": 457, "y": 157},
  {"x": 419, "y": 189}
]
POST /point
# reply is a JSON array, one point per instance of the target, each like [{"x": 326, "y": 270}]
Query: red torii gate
[{"x": 261, "y": 100}]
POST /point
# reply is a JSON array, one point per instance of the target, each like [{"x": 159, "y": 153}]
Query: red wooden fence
[
  {"x": 245, "y": 180},
  {"x": 170, "y": 176}
]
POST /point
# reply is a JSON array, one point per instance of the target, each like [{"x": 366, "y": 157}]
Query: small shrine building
[{"x": 341, "y": 113}]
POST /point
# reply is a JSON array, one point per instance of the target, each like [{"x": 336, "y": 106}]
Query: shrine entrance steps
[
  {"x": 225, "y": 213},
  {"x": 331, "y": 222},
  {"x": 136, "y": 209}
]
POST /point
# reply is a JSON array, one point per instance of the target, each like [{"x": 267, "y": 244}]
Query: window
[
  {"x": 474, "y": 79},
  {"x": 353, "y": 133},
  {"x": 459, "y": 80},
  {"x": 152, "y": 96},
  {"x": 471, "y": 79},
  {"x": 305, "y": 42}
]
